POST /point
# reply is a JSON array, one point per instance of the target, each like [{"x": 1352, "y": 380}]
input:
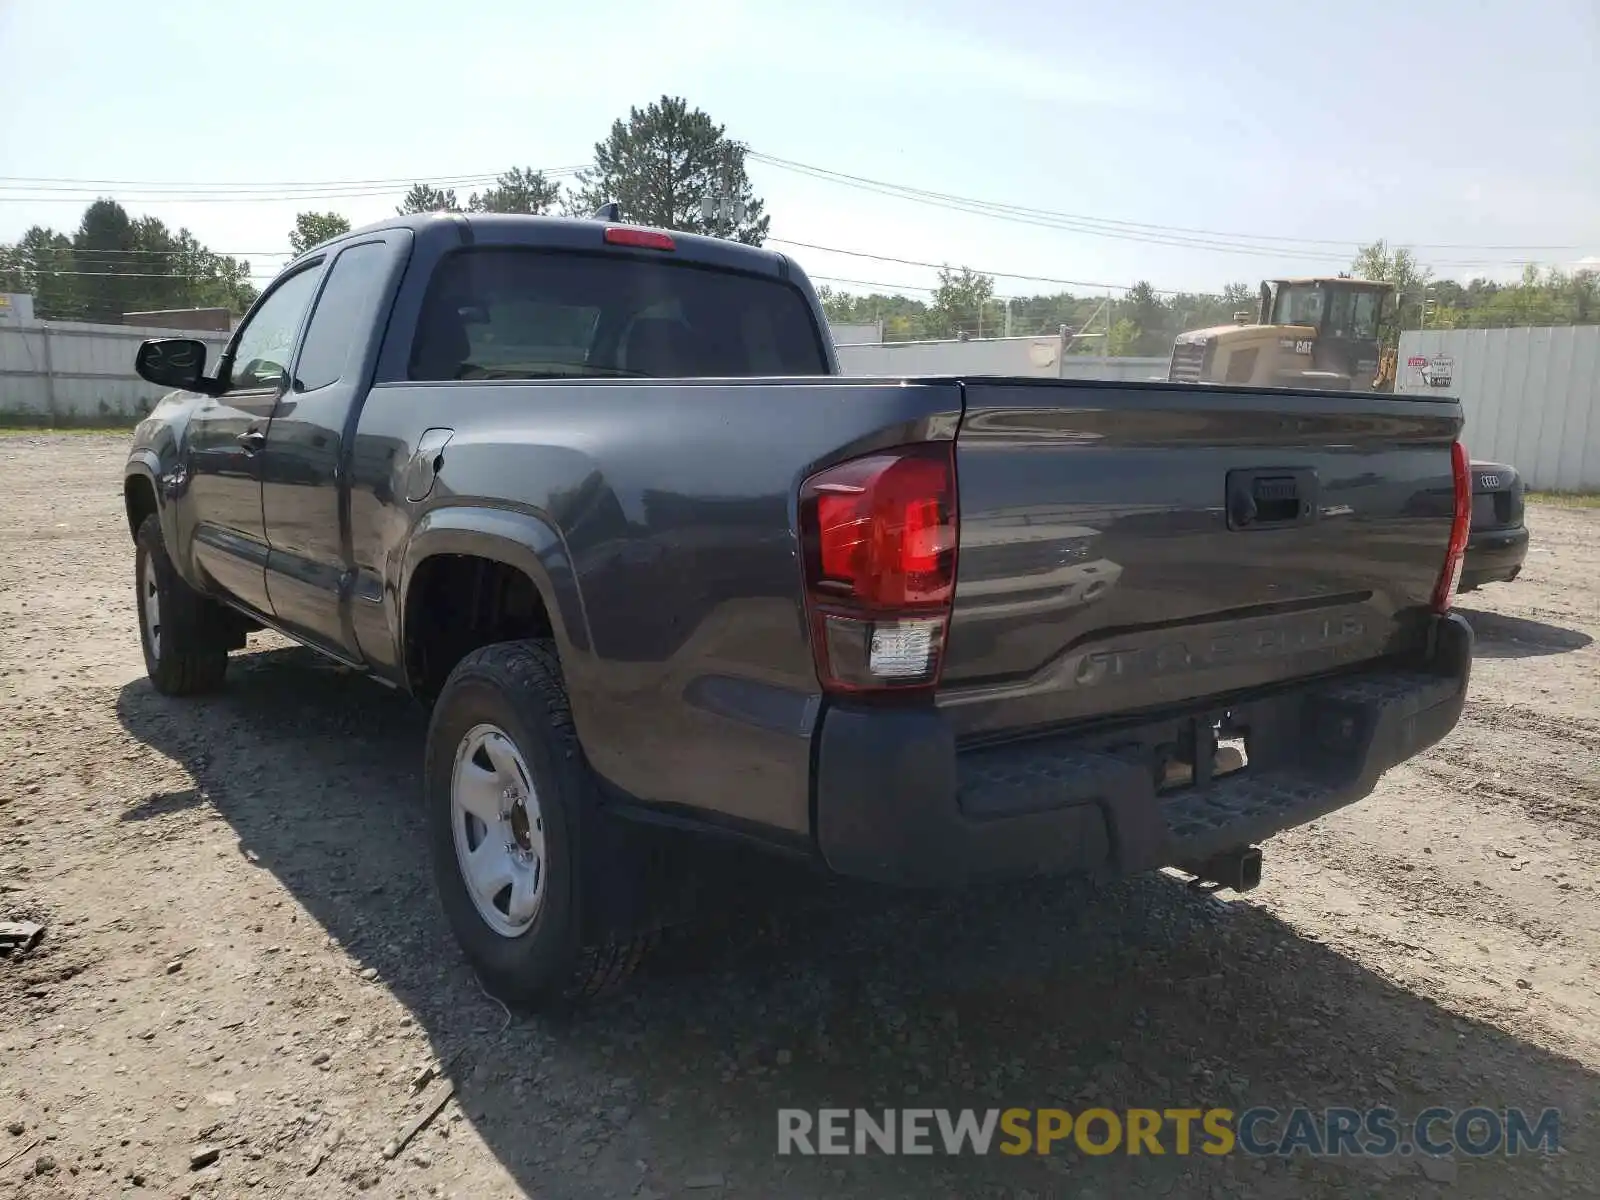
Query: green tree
[
  {"x": 1123, "y": 340},
  {"x": 904, "y": 319},
  {"x": 313, "y": 228},
  {"x": 1411, "y": 283},
  {"x": 40, "y": 265},
  {"x": 210, "y": 280},
  {"x": 1240, "y": 297},
  {"x": 424, "y": 199},
  {"x": 958, "y": 304},
  {"x": 1585, "y": 289},
  {"x": 1153, "y": 319},
  {"x": 519, "y": 190},
  {"x": 105, "y": 250},
  {"x": 116, "y": 264},
  {"x": 661, "y": 164}
]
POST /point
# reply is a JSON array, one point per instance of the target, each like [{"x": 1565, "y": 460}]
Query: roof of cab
[
  {"x": 565, "y": 233},
  {"x": 1339, "y": 280}
]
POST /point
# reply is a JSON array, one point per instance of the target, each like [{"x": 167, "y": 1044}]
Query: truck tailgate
[{"x": 1127, "y": 548}]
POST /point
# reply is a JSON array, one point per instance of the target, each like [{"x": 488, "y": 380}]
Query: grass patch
[
  {"x": 13, "y": 421},
  {"x": 10, "y": 430},
  {"x": 1566, "y": 499}
]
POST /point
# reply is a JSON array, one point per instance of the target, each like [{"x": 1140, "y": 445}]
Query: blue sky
[{"x": 1428, "y": 122}]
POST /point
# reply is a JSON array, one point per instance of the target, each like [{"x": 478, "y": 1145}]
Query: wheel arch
[
  {"x": 458, "y": 546},
  {"x": 141, "y": 494}
]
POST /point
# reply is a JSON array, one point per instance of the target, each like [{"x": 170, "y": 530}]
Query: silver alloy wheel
[
  {"x": 499, "y": 830},
  {"x": 150, "y": 594}
]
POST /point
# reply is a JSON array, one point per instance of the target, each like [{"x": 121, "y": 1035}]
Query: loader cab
[
  {"x": 1308, "y": 333},
  {"x": 1342, "y": 317}
]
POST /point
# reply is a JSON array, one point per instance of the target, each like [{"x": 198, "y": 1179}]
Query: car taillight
[
  {"x": 878, "y": 538},
  {"x": 1460, "y": 526}
]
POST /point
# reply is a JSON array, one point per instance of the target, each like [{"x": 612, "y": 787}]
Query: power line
[
  {"x": 274, "y": 189},
  {"x": 79, "y": 195},
  {"x": 161, "y": 253},
  {"x": 206, "y": 185},
  {"x": 153, "y": 192},
  {"x": 148, "y": 275},
  {"x": 912, "y": 262},
  {"x": 1110, "y": 227},
  {"x": 51, "y": 184},
  {"x": 1001, "y": 213},
  {"x": 893, "y": 287}
]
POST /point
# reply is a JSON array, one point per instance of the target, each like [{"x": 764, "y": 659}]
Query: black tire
[
  {"x": 517, "y": 687},
  {"x": 188, "y": 652}
]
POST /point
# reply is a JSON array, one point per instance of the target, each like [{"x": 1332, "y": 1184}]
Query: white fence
[
  {"x": 1531, "y": 396},
  {"x": 1031, "y": 357},
  {"x": 78, "y": 373},
  {"x": 844, "y": 335}
]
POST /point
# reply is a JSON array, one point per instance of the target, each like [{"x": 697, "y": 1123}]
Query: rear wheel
[
  {"x": 181, "y": 632},
  {"x": 507, "y": 789}
]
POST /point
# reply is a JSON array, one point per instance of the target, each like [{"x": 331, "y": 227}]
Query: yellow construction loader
[{"x": 1309, "y": 333}]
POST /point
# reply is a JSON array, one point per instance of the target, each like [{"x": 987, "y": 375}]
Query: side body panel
[
  {"x": 305, "y": 463},
  {"x": 229, "y": 549},
  {"x": 659, "y": 518}
]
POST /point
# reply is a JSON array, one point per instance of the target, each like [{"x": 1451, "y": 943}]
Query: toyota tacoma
[{"x": 596, "y": 496}]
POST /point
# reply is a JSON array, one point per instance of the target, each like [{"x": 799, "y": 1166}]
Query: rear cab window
[{"x": 517, "y": 313}]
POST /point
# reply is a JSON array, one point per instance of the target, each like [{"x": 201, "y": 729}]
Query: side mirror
[{"x": 175, "y": 363}]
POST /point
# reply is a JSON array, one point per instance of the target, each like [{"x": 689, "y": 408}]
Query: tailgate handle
[{"x": 1271, "y": 497}]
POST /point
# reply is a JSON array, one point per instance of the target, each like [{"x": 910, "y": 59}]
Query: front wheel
[
  {"x": 180, "y": 630},
  {"x": 507, "y": 786}
]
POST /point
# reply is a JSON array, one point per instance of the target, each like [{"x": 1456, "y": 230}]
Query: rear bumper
[
  {"x": 897, "y": 803},
  {"x": 1494, "y": 556}
]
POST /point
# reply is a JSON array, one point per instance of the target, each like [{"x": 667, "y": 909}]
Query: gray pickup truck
[{"x": 595, "y": 495}]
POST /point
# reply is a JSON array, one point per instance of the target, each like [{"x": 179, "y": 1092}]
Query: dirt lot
[{"x": 243, "y": 950}]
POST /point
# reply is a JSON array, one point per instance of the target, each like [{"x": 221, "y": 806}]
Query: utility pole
[
  {"x": 725, "y": 211},
  {"x": 722, "y": 207}
]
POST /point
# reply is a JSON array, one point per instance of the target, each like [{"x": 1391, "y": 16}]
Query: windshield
[
  {"x": 1353, "y": 314},
  {"x": 1298, "y": 304},
  {"x": 503, "y": 313}
]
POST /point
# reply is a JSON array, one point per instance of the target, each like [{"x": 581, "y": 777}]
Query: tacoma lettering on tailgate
[{"x": 1279, "y": 639}]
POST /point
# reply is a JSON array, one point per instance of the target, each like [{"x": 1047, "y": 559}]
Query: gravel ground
[{"x": 243, "y": 952}]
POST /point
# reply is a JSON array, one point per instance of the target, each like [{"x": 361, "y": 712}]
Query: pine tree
[{"x": 662, "y": 163}]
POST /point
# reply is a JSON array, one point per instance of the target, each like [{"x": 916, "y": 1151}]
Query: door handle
[{"x": 252, "y": 440}]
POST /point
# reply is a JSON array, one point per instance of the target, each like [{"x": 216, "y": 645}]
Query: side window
[
  {"x": 265, "y": 343},
  {"x": 344, "y": 316}
]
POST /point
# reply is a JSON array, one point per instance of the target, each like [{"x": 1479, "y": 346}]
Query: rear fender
[{"x": 522, "y": 540}]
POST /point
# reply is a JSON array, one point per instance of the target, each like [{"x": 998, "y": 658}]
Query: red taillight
[
  {"x": 879, "y": 542},
  {"x": 644, "y": 239},
  {"x": 1460, "y": 526}
]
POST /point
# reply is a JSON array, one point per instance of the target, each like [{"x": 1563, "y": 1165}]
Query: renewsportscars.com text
[{"x": 1258, "y": 1131}]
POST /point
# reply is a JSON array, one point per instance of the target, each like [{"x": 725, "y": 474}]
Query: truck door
[
  {"x": 304, "y": 490},
  {"x": 227, "y": 434}
]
